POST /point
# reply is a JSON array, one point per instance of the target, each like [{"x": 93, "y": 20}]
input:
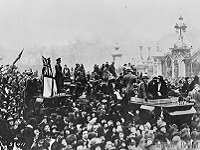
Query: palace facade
[{"x": 178, "y": 62}]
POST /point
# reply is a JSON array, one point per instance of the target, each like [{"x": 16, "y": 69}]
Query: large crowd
[{"x": 94, "y": 114}]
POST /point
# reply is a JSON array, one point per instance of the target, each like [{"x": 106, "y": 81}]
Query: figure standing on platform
[
  {"x": 59, "y": 75},
  {"x": 49, "y": 85},
  {"x": 143, "y": 88}
]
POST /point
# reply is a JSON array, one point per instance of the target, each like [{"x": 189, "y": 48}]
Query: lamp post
[
  {"x": 180, "y": 28},
  {"x": 116, "y": 53}
]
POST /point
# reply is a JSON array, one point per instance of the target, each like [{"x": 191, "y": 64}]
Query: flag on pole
[
  {"x": 47, "y": 70},
  {"x": 18, "y": 57},
  {"x": 49, "y": 84}
]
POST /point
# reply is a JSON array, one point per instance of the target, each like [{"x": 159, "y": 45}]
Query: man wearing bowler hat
[{"x": 59, "y": 75}]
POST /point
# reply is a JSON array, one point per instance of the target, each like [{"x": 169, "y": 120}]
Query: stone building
[
  {"x": 178, "y": 62},
  {"x": 145, "y": 65}
]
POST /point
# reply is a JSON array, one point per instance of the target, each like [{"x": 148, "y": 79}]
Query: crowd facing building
[
  {"x": 72, "y": 109},
  {"x": 94, "y": 111}
]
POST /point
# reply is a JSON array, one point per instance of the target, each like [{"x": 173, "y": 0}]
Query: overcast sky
[{"x": 27, "y": 23}]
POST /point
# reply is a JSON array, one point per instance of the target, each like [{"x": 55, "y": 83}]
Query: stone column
[
  {"x": 176, "y": 68},
  {"x": 172, "y": 68},
  {"x": 186, "y": 67},
  {"x": 182, "y": 68},
  {"x": 141, "y": 48},
  {"x": 188, "y": 70},
  {"x": 159, "y": 71},
  {"x": 155, "y": 69}
]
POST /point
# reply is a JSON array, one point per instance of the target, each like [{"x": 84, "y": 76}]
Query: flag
[
  {"x": 47, "y": 70},
  {"x": 44, "y": 60},
  {"x": 18, "y": 57},
  {"x": 49, "y": 85}
]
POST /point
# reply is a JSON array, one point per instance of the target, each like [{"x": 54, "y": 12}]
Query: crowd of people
[{"x": 95, "y": 114}]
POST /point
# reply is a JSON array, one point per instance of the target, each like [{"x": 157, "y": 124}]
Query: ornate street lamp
[{"x": 180, "y": 28}]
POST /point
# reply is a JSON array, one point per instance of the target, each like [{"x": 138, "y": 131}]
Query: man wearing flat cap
[{"x": 59, "y": 75}]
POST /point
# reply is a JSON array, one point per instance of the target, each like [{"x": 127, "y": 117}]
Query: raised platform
[
  {"x": 172, "y": 110},
  {"x": 54, "y": 101},
  {"x": 166, "y": 103},
  {"x": 58, "y": 96}
]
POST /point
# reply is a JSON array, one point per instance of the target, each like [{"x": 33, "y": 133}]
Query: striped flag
[
  {"x": 47, "y": 70},
  {"x": 18, "y": 57},
  {"x": 49, "y": 85}
]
